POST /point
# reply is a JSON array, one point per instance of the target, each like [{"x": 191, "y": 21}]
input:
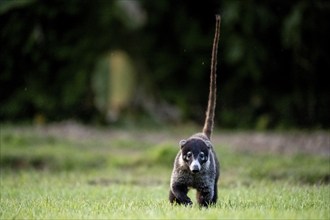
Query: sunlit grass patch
[{"x": 70, "y": 195}]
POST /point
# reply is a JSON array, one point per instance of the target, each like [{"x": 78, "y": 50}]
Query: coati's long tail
[{"x": 209, "y": 120}]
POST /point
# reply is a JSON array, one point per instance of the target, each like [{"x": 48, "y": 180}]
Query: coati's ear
[
  {"x": 182, "y": 142},
  {"x": 208, "y": 144}
]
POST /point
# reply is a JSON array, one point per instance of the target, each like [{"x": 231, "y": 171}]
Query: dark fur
[{"x": 196, "y": 165}]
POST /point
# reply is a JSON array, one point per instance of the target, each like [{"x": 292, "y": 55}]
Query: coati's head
[{"x": 195, "y": 153}]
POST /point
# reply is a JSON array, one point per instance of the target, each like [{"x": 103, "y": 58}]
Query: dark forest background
[{"x": 273, "y": 62}]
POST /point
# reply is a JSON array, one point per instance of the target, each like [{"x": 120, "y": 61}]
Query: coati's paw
[{"x": 188, "y": 202}]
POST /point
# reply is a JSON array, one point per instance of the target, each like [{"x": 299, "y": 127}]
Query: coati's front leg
[
  {"x": 178, "y": 194},
  {"x": 206, "y": 197},
  {"x": 215, "y": 195}
]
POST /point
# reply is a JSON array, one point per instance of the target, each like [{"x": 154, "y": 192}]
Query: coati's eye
[
  {"x": 202, "y": 156},
  {"x": 187, "y": 156}
]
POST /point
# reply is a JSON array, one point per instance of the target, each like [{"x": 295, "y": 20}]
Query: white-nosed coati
[{"x": 196, "y": 165}]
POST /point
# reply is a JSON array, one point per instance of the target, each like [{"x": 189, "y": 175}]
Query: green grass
[{"x": 52, "y": 177}]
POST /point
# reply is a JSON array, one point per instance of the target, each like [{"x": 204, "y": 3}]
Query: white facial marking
[
  {"x": 181, "y": 161},
  {"x": 207, "y": 163},
  {"x": 195, "y": 164}
]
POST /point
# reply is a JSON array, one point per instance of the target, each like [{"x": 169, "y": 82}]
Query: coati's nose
[{"x": 195, "y": 169}]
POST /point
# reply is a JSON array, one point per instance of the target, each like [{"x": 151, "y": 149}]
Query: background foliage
[{"x": 273, "y": 59}]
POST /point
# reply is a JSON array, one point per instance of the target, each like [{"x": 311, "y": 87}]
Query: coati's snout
[
  {"x": 195, "y": 166},
  {"x": 194, "y": 153}
]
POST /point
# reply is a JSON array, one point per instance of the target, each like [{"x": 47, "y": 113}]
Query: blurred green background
[{"x": 126, "y": 61}]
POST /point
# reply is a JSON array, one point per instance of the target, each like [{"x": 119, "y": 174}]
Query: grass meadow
[{"x": 124, "y": 174}]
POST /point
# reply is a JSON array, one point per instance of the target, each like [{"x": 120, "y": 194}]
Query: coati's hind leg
[{"x": 180, "y": 195}]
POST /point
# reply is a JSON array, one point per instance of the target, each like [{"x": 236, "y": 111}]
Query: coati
[{"x": 196, "y": 164}]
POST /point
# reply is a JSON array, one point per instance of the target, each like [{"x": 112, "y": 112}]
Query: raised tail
[{"x": 209, "y": 120}]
